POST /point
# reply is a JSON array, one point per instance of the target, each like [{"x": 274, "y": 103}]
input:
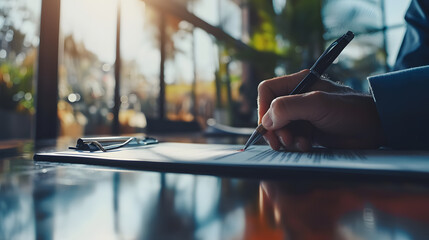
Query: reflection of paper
[{"x": 230, "y": 155}]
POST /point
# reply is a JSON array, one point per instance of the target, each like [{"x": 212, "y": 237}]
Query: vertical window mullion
[{"x": 47, "y": 71}]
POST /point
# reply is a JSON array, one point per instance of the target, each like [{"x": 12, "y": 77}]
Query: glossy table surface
[{"x": 69, "y": 201}]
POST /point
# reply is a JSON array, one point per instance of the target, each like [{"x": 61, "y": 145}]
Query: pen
[{"x": 318, "y": 68}]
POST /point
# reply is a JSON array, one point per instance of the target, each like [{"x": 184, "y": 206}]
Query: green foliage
[
  {"x": 293, "y": 38},
  {"x": 264, "y": 29},
  {"x": 16, "y": 91},
  {"x": 301, "y": 22}
]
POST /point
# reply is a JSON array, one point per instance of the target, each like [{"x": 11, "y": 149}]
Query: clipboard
[{"x": 259, "y": 161}]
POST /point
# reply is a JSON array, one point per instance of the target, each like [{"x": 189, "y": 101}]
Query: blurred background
[{"x": 174, "y": 64}]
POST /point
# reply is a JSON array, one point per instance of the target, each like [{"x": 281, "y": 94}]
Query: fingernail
[{"x": 267, "y": 121}]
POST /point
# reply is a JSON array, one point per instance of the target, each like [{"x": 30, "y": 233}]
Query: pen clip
[
  {"x": 331, "y": 53},
  {"x": 325, "y": 53}
]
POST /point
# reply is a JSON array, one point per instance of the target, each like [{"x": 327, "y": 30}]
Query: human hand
[{"x": 330, "y": 115}]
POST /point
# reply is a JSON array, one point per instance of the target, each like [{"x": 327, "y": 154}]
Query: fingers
[
  {"x": 283, "y": 120},
  {"x": 286, "y": 138},
  {"x": 312, "y": 107},
  {"x": 337, "y": 120},
  {"x": 276, "y": 109},
  {"x": 272, "y": 88},
  {"x": 272, "y": 139},
  {"x": 293, "y": 143},
  {"x": 297, "y": 136}
]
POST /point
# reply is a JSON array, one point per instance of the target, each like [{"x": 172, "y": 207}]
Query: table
[{"x": 69, "y": 201}]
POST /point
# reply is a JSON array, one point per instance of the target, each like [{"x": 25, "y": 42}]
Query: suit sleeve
[
  {"x": 414, "y": 50},
  {"x": 402, "y": 100}
]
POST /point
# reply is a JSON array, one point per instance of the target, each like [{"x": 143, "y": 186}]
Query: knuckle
[
  {"x": 319, "y": 98},
  {"x": 278, "y": 107},
  {"x": 262, "y": 86},
  {"x": 276, "y": 104},
  {"x": 317, "y": 95}
]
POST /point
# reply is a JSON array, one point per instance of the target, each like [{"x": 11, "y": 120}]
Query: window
[
  {"x": 394, "y": 19},
  {"x": 206, "y": 66},
  {"x": 140, "y": 68},
  {"x": 86, "y": 72},
  {"x": 379, "y": 28},
  {"x": 179, "y": 71},
  {"x": 19, "y": 41}
]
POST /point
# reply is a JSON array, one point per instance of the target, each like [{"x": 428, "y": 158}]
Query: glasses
[{"x": 109, "y": 143}]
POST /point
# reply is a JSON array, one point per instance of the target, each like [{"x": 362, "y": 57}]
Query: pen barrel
[
  {"x": 305, "y": 84},
  {"x": 333, "y": 53},
  {"x": 261, "y": 130}
]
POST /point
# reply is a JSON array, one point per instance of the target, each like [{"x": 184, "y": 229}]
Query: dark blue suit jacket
[
  {"x": 402, "y": 97},
  {"x": 402, "y": 100},
  {"x": 414, "y": 51}
]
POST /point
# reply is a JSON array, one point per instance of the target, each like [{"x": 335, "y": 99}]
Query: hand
[{"x": 330, "y": 115}]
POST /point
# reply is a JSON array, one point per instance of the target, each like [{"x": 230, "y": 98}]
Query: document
[{"x": 210, "y": 158}]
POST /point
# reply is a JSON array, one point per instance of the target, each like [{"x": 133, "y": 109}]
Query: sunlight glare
[{"x": 93, "y": 23}]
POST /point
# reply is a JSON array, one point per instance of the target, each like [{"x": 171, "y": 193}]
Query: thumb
[{"x": 312, "y": 107}]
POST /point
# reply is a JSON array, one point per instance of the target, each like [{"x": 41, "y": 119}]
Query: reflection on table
[
  {"x": 347, "y": 210},
  {"x": 74, "y": 201}
]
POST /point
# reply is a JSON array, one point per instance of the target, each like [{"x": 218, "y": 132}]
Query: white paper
[{"x": 262, "y": 155}]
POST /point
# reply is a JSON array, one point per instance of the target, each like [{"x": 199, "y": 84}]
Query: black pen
[{"x": 318, "y": 68}]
